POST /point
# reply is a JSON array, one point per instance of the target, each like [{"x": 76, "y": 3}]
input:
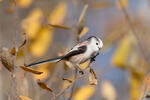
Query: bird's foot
[{"x": 81, "y": 72}]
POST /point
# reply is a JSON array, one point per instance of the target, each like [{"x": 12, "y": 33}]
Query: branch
[
  {"x": 92, "y": 59},
  {"x": 15, "y": 23},
  {"x": 73, "y": 86},
  {"x": 129, "y": 21},
  {"x": 65, "y": 89}
]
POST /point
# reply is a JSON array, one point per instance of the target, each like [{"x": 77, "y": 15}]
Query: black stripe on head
[{"x": 93, "y": 37}]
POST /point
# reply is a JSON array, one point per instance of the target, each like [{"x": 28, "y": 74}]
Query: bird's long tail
[{"x": 46, "y": 61}]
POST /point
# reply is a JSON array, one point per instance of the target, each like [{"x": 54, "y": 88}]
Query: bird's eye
[{"x": 96, "y": 43}]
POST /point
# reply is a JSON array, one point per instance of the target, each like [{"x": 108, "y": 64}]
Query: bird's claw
[
  {"x": 93, "y": 57},
  {"x": 81, "y": 72}
]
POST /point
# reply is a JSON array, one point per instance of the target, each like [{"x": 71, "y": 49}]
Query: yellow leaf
[
  {"x": 24, "y": 41},
  {"x": 40, "y": 45},
  {"x": 134, "y": 85},
  {"x": 30, "y": 70},
  {"x": 84, "y": 93},
  {"x": 13, "y": 51},
  {"x": 83, "y": 32},
  {"x": 92, "y": 77},
  {"x": 108, "y": 91},
  {"x": 83, "y": 13},
  {"x": 67, "y": 81},
  {"x": 84, "y": 65},
  {"x": 24, "y": 3},
  {"x": 24, "y": 98},
  {"x": 33, "y": 29},
  {"x": 122, "y": 3},
  {"x": 32, "y": 23},
  {"x": 57, "y": 16},
  {"x": 42, "y": 68},
  {"x": 44, "y": 86},
  {"x": 121, "y": 54},
  {"x": 60, "y": 26}
]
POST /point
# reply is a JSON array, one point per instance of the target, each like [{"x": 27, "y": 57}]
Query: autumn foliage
[{"x": 35, "y": 30}]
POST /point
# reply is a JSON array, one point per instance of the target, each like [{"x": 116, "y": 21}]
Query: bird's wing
[{"x": 75, "y": 51}]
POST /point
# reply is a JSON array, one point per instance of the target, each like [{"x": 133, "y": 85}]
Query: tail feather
[{"x": 45, "y": 61}]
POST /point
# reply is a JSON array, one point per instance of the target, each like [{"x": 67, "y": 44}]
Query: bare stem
[
  {"x": 65, "y": 89},
  {"x": 73, "y": 86},
  {"x": 15, "y": 22}
]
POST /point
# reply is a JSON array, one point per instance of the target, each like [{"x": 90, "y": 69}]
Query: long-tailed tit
[{"x": 79, "y": 54}]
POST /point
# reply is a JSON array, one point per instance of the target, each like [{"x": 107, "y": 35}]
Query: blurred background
[{"x": 52, "y": 27}]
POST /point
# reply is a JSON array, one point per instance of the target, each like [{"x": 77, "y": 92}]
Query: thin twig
[
  {"x": 78, "y": 24},
  {"x": 14, "y": 94},
  {"x": 144, "y": 92},
  {"x": 15, "y": 23},
  {"x": 92, "y": 59},
  {"x": 74, "y": 81},
  {"x": 73, "y": 86},
  {"x": 65, "y": 89},
  {"x": 128, "y": 20}
]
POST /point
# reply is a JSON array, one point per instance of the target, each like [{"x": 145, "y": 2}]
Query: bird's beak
[{"x": 99, "y": 48}]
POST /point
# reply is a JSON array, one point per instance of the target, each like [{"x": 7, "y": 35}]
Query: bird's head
[{"x": 95, "y": 43}]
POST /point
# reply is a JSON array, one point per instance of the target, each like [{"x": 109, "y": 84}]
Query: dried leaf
[
  {"x": 13, "y": 51},
  {"x": 24, "y": 3},
  {"x": 103, "y": 4},
  {"x": 83, "y": 13},
  {"x": 9, "y": 10},
  {"x": 92, "y": 77},
  {"x": 83, "y": 32},
  {"x": 84, "y": 93},
  {"x": 108, "y": 91},
  {"x": 44, "y": 86},
  {"x": 45, "y": 71},
  {"x": 24, "y": 42},
  {"x": 60, "y": 26},
  {"x": 30, "y": 70},
  {"x": 122, "y": 3},
  {"x": 57, "y": 16},
  {"x": 70, "y": 81},
  {"x": 7, "y": 59},
  {"x": 24, "y": 98}
]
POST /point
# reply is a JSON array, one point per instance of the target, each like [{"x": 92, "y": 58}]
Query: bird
[{"x": 80, "y": 53}]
